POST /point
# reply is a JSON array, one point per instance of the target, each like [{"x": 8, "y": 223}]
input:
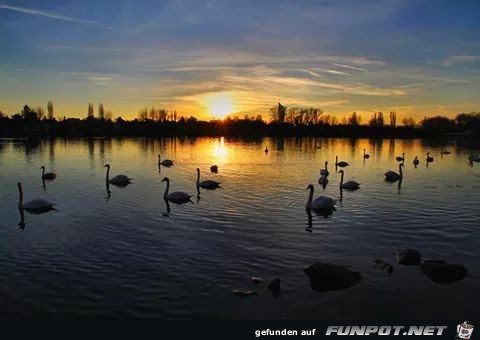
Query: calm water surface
[{"x": 121, "y": 255}]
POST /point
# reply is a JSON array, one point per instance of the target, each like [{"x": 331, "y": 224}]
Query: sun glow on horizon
[{"x": 219, "y": 104}]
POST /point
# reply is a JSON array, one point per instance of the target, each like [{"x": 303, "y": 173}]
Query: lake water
[{"x": 121, "y": 255}]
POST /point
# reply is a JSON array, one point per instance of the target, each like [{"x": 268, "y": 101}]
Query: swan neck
[
  {"x": 341, "y": 180},
  {"x": 43, "y": 171},
  {"x": 107, "y": 176},
  {"x": 310, "y": 198},
  {"x": 20, "y": 194},
  {"x": 198, "y": 177},
  {"x": 166, "y": 189},
  {"x": 400, "y": 169}
]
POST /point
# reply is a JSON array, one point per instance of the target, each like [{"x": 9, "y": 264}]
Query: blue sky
[{"x": 416, "y": 57}]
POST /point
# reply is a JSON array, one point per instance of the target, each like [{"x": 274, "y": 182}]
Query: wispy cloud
[
  {"x": 351, "y": 67},
  {"x": 52, "y": 15},
  {"x": 460, "y": 58},
  {"x": 330, "y": 71}
]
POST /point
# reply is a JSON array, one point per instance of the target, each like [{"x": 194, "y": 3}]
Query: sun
[{"x": 219, "y": 104}]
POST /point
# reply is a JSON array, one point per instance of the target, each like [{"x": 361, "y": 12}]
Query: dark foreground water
[{"x": 121, "y": 255}]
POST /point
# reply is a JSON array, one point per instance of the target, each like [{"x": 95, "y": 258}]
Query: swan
[
  {"x": 214, "y": 169},
  {"x": 474, "y": 158},
  {"x": 429, "y": 158},
  {"x": 177, "y": 197},
  {"x": 416, "y": 161},
  {"x": 392, "y": 176},
  {"x": 365, "y": 154},
  {"x": 165, "y": 162},
  {"x": 445, "y": 152},
  {"x": 341, "y": 164},
  {"x": 48, "y": 175},
  {"x": 402, "y": 158},
  {"x": 320, "y": 203},
  {"x": 324, "y": 172},
  {"x": 350, "y": 185},
  {"x": 117, "y": 180},
  {"x": 323, "y": 180},
  {"x": 33, "y": 206},
  {"x": 266, "y": 149},
  {"x": 207, "y": 184}
]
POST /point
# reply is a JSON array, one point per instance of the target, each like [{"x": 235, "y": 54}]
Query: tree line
[{"x": 284, "y": 121}]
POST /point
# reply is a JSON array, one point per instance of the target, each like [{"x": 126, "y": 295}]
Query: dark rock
[
  {"x": 324, "y": 277},
  {"x": 409, "y": 257},
  {"x": 256, "y": 280},
  {"x": 444, "y": 273},
  {"x": 383, "y": 265},
  {"x": 275, "y": 287}
]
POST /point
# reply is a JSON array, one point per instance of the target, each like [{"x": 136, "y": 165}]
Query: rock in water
[
  {"x": 275, "y": 287},
  {"x": 243, "y": 292},
  {"x": 256, "y": 280},
  {"x": 444, "y": 273},
  {"x": 325, "y": 277},
  {"x": 409, "y": 257},
  {"x": 383, "y": 265}
]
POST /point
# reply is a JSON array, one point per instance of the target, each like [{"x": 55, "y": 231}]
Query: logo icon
[{"x": 464, "y": 330}]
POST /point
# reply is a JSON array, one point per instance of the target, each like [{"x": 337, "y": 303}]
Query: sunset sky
[{"x": 210, "y": 58}]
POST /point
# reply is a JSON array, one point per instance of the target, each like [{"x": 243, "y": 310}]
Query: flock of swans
[
  {"x": 326, "y": 204},
  {"x": 38, "y": 206},
  {"x": 321, "y": 203}
]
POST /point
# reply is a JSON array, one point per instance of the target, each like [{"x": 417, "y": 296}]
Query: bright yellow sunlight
[{"x": 219, "y": 104}]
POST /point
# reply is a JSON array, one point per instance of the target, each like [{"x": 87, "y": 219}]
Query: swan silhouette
[
  {"x": 177, "y": 197},
  {"x": 35, "y": 206},
  {"x": 416, "y": 161},
  {"x": 214, "y": 169},
  {"x": 323, "y": 180},
  {"x": 365, "y": 154},
  {"x": 319, "y": 203},
  {"x": 445, "y": 152},
  {"x": 324, "y": 172},
  {"x": 392, "y": 176},
  {"x": 48, "y": 175},
  {"x": 341, "y": 164},
  {"x": 429, "y": 158},
  {"x": 266, "y": 149},
  {"x": 207, "y": 184},
  {"x": 119, "y": 180},
  {"x": 350, "y": 185},
  {"x": 165, "y": 162},
  {"x": 401, "y": 158},
  {"x": 473, "y": 158}
]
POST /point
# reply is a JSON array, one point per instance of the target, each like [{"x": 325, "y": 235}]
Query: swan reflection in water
[
  {"x": 109, "y": 193},
  {"x": 167, "y": 213},
  {"x": 21, "y": 224},
  {"x": 326, "y": 213}
]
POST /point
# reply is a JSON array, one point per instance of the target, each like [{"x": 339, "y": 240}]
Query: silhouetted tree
[
  {"x": 90, "y": 111},
  {"x": 40, "y": 113},
  {"x": 354, "y": 119},
  {"x": 101, "y": 112},
  {"x": 28, "y": 114},
  {"x": 50, "y": 110},
  {"x": 409, "y": 122},
  {"x": 142, "y": 115},
  {"x": 393, "y": 119}
]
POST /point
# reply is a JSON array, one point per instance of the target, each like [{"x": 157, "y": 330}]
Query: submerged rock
[
  {"x": 409, "y": 257},
  {"x": 324, "y": 277},
  {"x": 244, "y": 292},
  {"x": 384, "y": 266},
  {"x": 441, "y": 272},
  {"x": 256, "y": 280},
  {"x": 275, "y": 287}
]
